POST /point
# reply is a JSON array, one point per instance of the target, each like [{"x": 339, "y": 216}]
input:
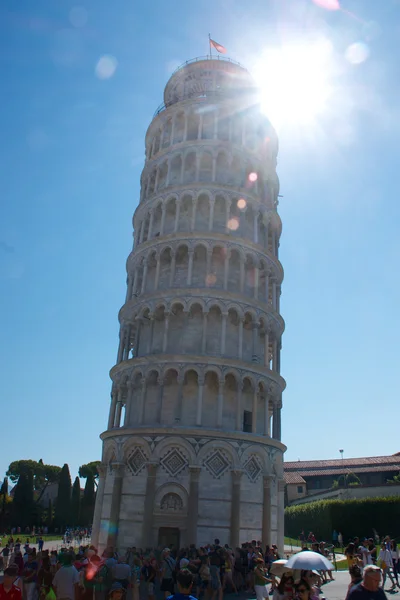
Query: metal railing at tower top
[
  {"x": 209, "y": 93},
  {"x": 208, "y": 57}
]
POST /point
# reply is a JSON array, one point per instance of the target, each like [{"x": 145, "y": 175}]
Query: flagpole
[{"x": 209, "y": 43}]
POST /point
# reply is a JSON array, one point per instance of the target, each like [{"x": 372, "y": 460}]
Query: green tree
[
  {"x": 88, "y": 501},
  {"x": 76, "y": 502},
  {"x": 90, "y": 469},
  {"x": 50, "y": 515},
  {"x": 23, "y": 504},
  {"x": 62, "y": 515},
  {"x": 43, "y": 474},
  {"x": 5, "y": 501}
]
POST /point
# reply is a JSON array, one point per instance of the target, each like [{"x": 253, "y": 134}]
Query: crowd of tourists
[{"x": 384, "y": 554}]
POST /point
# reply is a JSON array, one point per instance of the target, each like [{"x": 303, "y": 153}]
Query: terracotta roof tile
[
  {"x": 340, "y": 463},
  {"x": 293, "y": 478}
]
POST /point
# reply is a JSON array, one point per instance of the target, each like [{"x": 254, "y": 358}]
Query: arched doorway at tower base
[{"x": 169, "y": 537}]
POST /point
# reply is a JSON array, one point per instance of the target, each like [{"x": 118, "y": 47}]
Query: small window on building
[
  {"x": 299, "y": 489},
  {"x": 317, "y": 484},
  {"x": 247, "y": 421}
]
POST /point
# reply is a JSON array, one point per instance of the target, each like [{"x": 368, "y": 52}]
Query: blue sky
[{"x": 72, "y": 149}]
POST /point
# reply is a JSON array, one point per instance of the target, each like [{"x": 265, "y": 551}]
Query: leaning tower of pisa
[{"x": 193, "y": 447}]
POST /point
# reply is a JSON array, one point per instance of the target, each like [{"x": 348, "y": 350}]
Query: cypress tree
[
  {"x": 88, "y": 501},
  {"x": 3, "y": 496},
  {"x": 49, "y": 522},
  {"x": 76, "y": 502},
  {"x": 62, "y": 517},
  {"x": 23, "y": 500}
]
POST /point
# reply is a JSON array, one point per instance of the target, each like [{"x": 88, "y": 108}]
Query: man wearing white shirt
[{"x": 66, "y": 580}]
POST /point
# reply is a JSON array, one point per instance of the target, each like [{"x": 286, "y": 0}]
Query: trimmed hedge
[{"x": 351, "y": 517}]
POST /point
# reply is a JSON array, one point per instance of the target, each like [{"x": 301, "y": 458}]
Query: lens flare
[
  {"x": 106, "y": 67},
  {"x": 241, "y": 204},
  {"x": 233, "y": 224},
  {"x": 253, "y": 177}
]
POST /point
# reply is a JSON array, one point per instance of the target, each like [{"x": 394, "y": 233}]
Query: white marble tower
[{"x": 193, "y": 447}]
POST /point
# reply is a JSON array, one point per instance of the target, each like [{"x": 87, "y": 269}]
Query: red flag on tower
[{"x": 218, "y": 47}]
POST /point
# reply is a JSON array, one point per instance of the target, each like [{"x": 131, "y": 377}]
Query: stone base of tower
[{"x": 163, "y": 487}]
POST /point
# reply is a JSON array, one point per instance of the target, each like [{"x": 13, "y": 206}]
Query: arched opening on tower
[
  {"x": 157, "y": 218},
  {"x": 207, "y": 132},
  {"x": 176, "y": 329},
  {"x": 247, "y": 403},
  {"x": 206, "y": 163},
  {"x": 157, "y": 139},
  {"x": 195, "y": 329},
  {"x": 210, "y": 400},
  {"x": 134, "y": 410},
  {"x": 152, "y": 182},
  {"x": 234, "y": 272},
  {"x": 214, "y": 328},
  {"x": 249, "y": 276},
  {"x": 166, "y": 140},
  {"x": 247, "y": 347},
  {"x": 199, "y": 266},
  {"x": 230, "y": 403},
  {"x": 193, "y": 126},
  {"x": 152, "y": 403},
  {"x": 189, "y": 399},
  {"x": 202, "y": 213},
  {"x": 219, "y": 221},
  {"x": 151, "y": 273},
  {"x": 223, "y": 127},
  {"x": 189, "y": 170},
  {"x": 222, "y": 168},
  {"x": 181, "y": 266},
  {"x": 216, "y": 276},
  {"x": 237, "y": 129},
  {"x": 165, "y": 268},
  {"x": 172, "y": 404},
  {"x": 162, "y": 175},
  {"x": 236, "y": 172},
  {"x": 232, "y": 334},
  {"x": 158, "y": 330},
  {"x": 175, "y": 170},
  {"x": 186, "y": 213},
  {"x": 170, "y": 215},
  {"x": 179, "y": 128}
]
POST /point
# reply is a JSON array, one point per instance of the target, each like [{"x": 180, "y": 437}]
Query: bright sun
[{"x": 295, "y": 82}]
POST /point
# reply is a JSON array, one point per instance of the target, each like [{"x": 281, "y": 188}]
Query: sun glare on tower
[{"x": 295, "y": 82}]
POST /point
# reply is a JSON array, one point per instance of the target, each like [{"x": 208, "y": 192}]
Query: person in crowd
[
  {"x": 355, "y": 578},
  {"x": 168, "y": 565},
  {"x": 302, "y": 590},
  {"x": 395, "y": 559},
  {"x": 66, "y": 580},
  {"x": 30, "y": 576},
  {"x": 149, "y": 575},
  {"x": 227, "y": 579},
  {"x": 117, "y": 592},
  {"x": 44, "y": 578},
  {"x": 386, "y": 564},
  {"x": 185, "y": 581},
  {"x": 350, "y": 553},
  {"x": 372, "y": 550},
  {"x": 365, "y": 553},
  {"x": 369, "y": 588},
  {"x": 135, "y": 577},
  {"x": 340, "y": 539},
  {"x": 8, "y": 589},
  {"x": 6, "y": 555},
  {"x": 285, "y": 588},
  {"x": 121, "y": 573},
  {"x": 261, "y": 579}
]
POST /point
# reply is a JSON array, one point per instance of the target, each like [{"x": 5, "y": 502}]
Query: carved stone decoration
[
  {"x": 171, "y": 502},
  {"x": 174, "y": 462},
  {"x": 217, "y": 464},
  {"x": 253, "y": 468},
  {"x": 136, "y": 461}
]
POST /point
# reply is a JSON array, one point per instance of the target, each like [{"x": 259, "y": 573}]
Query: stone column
[
  {"x": 142, "y": 291},
  {"x": 135, "y": 281},
  {"x": 114, "y": 399},
  {"x": 147, "y": 538},
  {"x": 117, "y": 422},
  {"x": 275, "y": 421},
  {"x": 121, "y": 345},
  {"x": 281, "y": 514},
  {"x": 204, "y": 337},
  {"x": 141, "y": 235},
  {"x": 208, "y": 267},
  {"x": 200, "y": 127},
  {"x": 256, "y": 228},
  {"x": 266, "y": 514},
  {"x": 185, "y": 128},
  {"x": 162, "y": 219},
  {"x": 199, "y": 409},
  {"x": 239, "y": 410},
  {"x": 240, "y": 352},
  {"x": 226, "y": 269},
  {"x": 190, "y": 266},
  {"x": 102, "y": 471},
  {"x": 211, "y": 218},
  {"x": 178, "y": 416},
  {"x": 278, "y": 356},
  {"x": 255, "y": 327},
  {"x": 274, "y": 354},
  {"x": 171, "y": 139},
  {"x": 127, "y": 343},
  {"x": 214, "y": 169},
  {"x": 266, "y": 287},
  {"x": 256, "y": 281},
  {"x": 266, "y": 414},
  {"x": 224, "y": 317},
  {"x": 235, "y": 509},
  {"x": 150, "y": 232},
  {"x": 151, "y": 334},
  {"x": 138, "y": 333},
  {"x": 172, "y": 271},
  {"x": 274, "y": 295},
  {"x": 242, "y": 274},
  {"x": 194, "y": 209},
  {"x": 166, "y": 327},
  {"x": 118, "y": 470},
  {"x": 178, "y": 210},
  {"x": 220, "y": 404},
  {"x": 193, "y": 505},
  {"x": 266, "y": 349},
  {"x": 157, "y": 276},
  {"x": 160, "y": 382},
  {"x": 128, "y": 404},
  {"x": 228, "y": 212},
  {"x": 129, "y": 288},
  {"x": 254, "y": 412},
  {"x": 142, "y": 401}
]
